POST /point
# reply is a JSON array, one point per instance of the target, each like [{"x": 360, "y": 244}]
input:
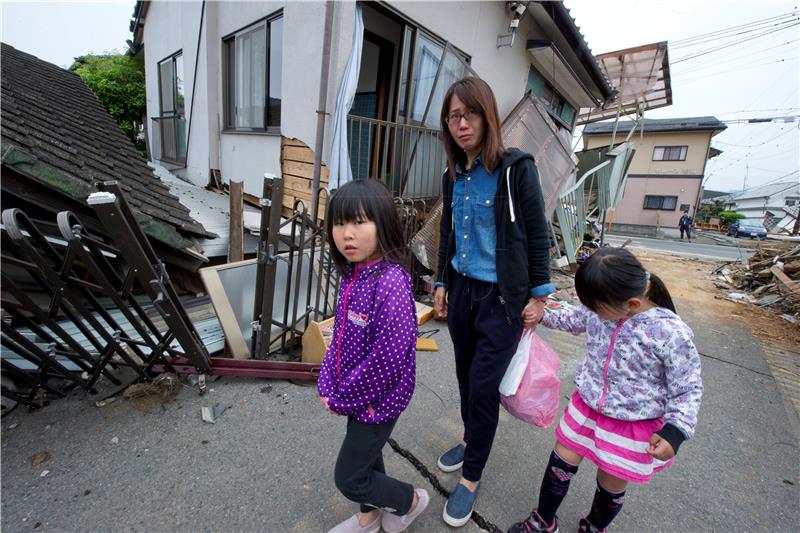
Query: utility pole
[{"x": 746, "y": 174}]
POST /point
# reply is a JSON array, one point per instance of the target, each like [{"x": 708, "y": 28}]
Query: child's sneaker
[
  {"x": 392, "y": 523},
  {"x": 584, "y": 526},
  {"x": 351, "y": 525},
  {"x": 534, "y": 524}
]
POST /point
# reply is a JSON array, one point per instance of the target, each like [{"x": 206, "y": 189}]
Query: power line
[
  {"x": 790, "y": 130},
  {"x": 727, "y": 45},
  {"x": 756, "y": 111},
  {"x": 731, "y": 35},
  {"x": 695, "y": 79},
  {"x": 763, "y": 120},
  {"x": 734, "y": 57},
  {"x": 735, "y": 28}
]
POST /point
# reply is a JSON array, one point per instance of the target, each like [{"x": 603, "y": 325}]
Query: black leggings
[
  {"x": 360, "y": 475},
  {"x": 484, "y": 341}
]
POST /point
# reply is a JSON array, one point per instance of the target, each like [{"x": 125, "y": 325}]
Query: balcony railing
[
  {"x": 408, "y": 159},
  {"x": 169, "y": 139}
]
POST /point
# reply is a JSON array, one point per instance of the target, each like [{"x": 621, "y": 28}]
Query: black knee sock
[
  {"x": 555, "y": 485},
  {"x": 605, "y": 507}
]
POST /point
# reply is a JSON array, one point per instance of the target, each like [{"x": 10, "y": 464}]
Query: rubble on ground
[{"x": 770, "y": 279}]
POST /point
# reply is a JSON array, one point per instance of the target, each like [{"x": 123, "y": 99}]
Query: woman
[{"x": 493, "y": 271}]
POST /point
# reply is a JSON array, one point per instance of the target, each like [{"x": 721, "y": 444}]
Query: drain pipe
[{"x": 322, "y": 109}]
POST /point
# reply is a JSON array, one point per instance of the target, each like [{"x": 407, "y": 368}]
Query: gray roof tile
[{"x": 50, "y": 113}]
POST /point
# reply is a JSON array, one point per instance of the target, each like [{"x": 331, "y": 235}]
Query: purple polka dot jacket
[
  {"x": 638, "y": 368},
  {"x": 369, "y": 370}
]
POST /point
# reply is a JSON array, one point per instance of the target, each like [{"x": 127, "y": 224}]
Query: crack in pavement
[
  {"x": 437, "y": 485},
  {"x": 736, "y": 364}
]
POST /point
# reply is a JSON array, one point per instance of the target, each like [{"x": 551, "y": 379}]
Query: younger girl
[
  {"x": 368, "y": 373},
  {"x": 638, "y": 393}
]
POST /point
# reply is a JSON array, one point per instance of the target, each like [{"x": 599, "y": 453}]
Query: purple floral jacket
[
  {"x": 638, "y": 368},
  {"x": 369, "y": 370}
]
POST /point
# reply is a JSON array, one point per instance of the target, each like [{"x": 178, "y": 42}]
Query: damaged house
[
  {"x": 234, "y": 88},
  {"x": 58, "y": 141},
  {"x": 289, "y": 98}
]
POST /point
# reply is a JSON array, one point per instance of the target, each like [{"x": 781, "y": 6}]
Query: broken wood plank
[
  {"x": 296, "y": 153},
  {"x": 303, "y": 170},
  {"x": 784, "y": 281},
  {"x": 236, "y": 233}
]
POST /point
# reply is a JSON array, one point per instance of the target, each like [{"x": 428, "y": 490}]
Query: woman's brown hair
[{"x": 477, "y": 96}]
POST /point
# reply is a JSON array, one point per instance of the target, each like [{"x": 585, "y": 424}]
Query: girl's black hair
[
  {"x": 610, "y": 276},
  {"x": 372, "y": 200}
]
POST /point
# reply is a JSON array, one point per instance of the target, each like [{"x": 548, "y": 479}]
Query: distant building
[
  {"x": 666, "y": 174},
  {"x": 765, "y": 204}
]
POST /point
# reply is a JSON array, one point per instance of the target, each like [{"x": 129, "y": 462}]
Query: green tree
[{"x": 118, "y": 82}]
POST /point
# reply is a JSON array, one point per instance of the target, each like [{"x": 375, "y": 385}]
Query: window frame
[
  {"x": 683, "y": 151},
  {"x": 228, "y": 42},
  {"x": 174, "y": 113},
  {"x": 554, "y": 109},
  {"x": 661, "y": 198}
]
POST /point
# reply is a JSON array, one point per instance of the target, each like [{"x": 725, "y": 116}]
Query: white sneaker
[
  {"x": 351, "y": 525},
  {"x": 392, "y": 523}
]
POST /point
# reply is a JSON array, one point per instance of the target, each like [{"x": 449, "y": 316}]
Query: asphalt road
[
  {"x": 683, "y": 248},
  {"x": 266, "y": 465}
]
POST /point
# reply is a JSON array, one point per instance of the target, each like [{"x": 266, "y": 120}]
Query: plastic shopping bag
[
  {"x": 516, "y": 368},
  {"x": 536, "y": 399}
]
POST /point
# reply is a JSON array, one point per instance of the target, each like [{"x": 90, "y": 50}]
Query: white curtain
[
  {"x": 340, "y": 171},
  {"x": 251, "y": 65}
]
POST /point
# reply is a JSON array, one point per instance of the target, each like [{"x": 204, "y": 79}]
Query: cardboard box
[
  {"x": 316, "y": 339},
  {"x": 318, "y": 335}
]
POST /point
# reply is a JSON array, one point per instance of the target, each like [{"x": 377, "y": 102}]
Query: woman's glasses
[{"x": 455, "y": 118}]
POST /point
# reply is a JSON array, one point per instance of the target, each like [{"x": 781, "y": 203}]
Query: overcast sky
[{"x": 754, "y": 79}]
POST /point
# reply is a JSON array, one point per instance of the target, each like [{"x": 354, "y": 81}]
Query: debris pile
[
  {"x": 771, "y": 278},
  {"x": 164, "y": 388}
]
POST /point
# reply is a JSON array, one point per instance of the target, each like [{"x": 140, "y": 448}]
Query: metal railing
[
  {"x": 408, "y": 159},
  {"x": 312, "y": 279},
  {"x": 76, "y": 310},
  {"x": 571, "y": 212}
]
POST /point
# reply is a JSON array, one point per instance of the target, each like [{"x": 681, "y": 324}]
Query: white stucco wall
[
  {"x": 243, "y": 156},
  {"x": 164, "y": 38},
  {"x": 170, "y": 26},
  {"x": 473, "y": 27}
]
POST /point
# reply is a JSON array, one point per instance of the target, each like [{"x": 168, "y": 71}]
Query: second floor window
[
  {"x": 554, "y": 102},
  {"x": 667, "y": 203},
  {"x": 172, "y": 117},
  {"x": 253, "y": 59},
  {"x": 670, "y": 153}
]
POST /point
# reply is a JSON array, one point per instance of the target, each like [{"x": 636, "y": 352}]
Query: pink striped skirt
[{"x": 617, "y": 447}]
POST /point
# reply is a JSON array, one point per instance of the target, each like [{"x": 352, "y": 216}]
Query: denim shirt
[{"x": 473, "y": 214}]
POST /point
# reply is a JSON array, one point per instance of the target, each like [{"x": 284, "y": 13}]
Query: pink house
[{"x": 666, "y": 174}]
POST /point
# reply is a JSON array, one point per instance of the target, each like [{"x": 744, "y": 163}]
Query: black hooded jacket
[{"x": 523, "y": 241}]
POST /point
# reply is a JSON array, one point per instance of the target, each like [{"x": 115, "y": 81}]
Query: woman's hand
[
  {"x": 660, "y": 448},
  {"x": 532, "y": 313},
  {"x": 440, "y": 301}
]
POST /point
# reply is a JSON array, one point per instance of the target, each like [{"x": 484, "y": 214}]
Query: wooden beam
[
  {"x": 236, "y": 236},
  {"x": 785, "y": 281}
]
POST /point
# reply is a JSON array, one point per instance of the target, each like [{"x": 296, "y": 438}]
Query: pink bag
[{"x": 537, "y": 398}]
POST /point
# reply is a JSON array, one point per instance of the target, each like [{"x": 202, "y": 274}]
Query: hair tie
[{"x": 647, "y": 276}]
